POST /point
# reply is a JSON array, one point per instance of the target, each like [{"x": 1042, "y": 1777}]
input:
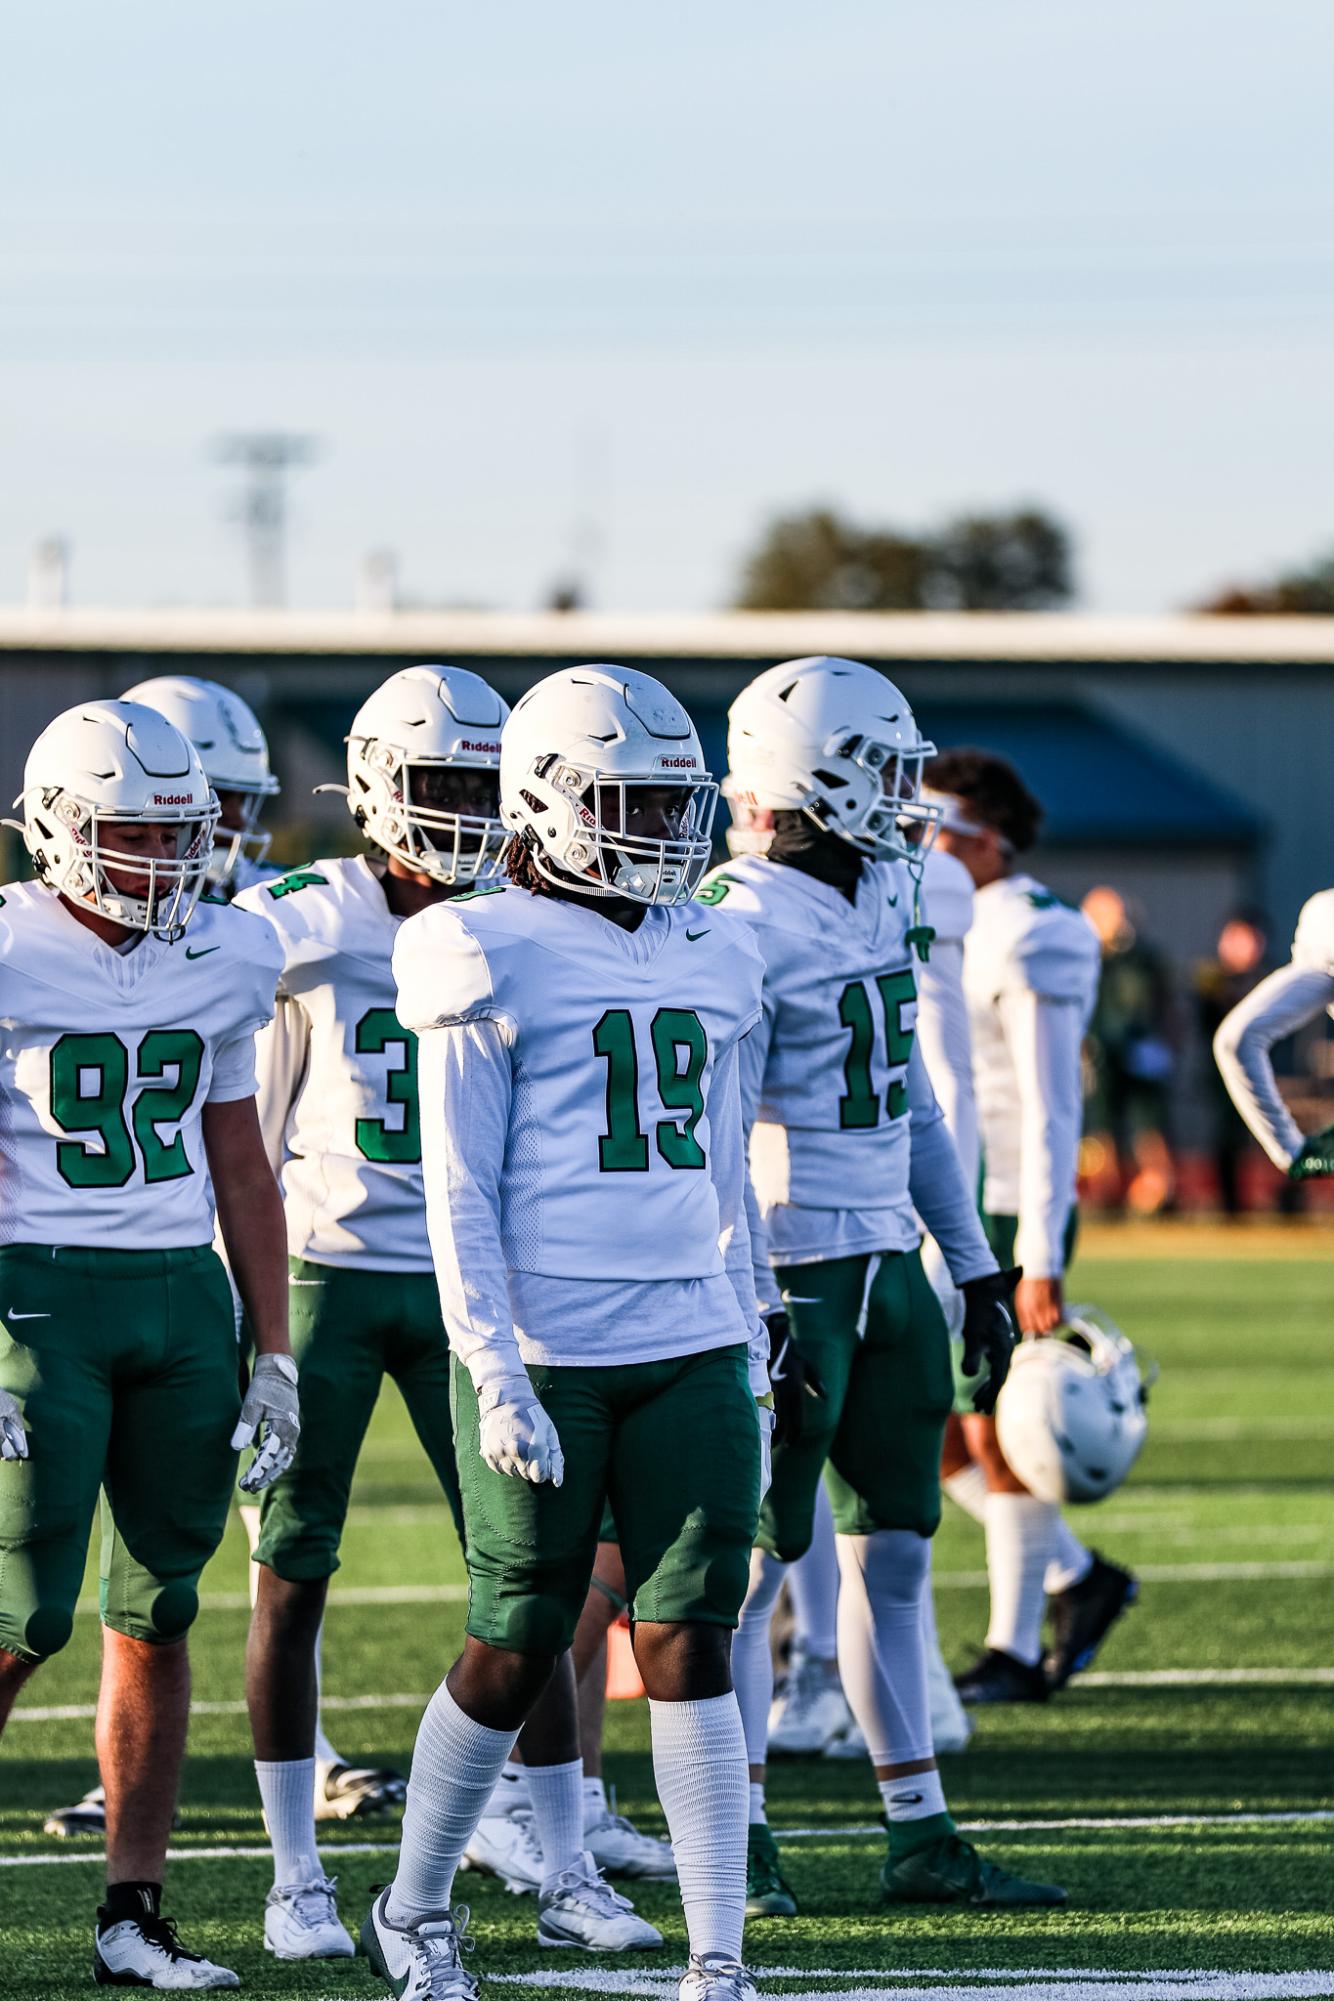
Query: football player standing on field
[
  {"x": 1031, "y": 967},
  {"x": 847, "y": 1142},
  {"x": 235, "y": 756},
  {"x": 581, "y": 1128},
  {"x": 127, "y": 1077},
  {"x": 1290, "y": 998}
]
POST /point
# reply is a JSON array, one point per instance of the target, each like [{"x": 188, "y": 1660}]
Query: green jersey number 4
[
  {"x": 859, "y": 1107},
  {"x": 680, "y": 1052},
  {"x": 90, "y": 1082}
]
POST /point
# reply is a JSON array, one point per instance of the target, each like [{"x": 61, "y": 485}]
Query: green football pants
[
  {"x": 124, "y": 1363},
  {"x": 873, "y": 1330}
]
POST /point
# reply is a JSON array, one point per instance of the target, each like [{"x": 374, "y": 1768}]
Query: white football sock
[
  {"x": 757, "y": 1814},
  {"x": 699, "y": 1764},
  {"x": 287, "y": 1792},
  {"x": 968, "y": 1490},
  {"x": 511, "y": 1793},
  {"x": 557, "y": 1793},
  {"x": 1020, "y": 1536},
  {"x": 455, "y": 1764},
  {"x": 814, "y": 1582},
  {"x": 914, "y": 1797},
  {"x": 1070, "y": 1561},
  {"x": 595, "y": 1799},
  {"x": 325, "y": 1754},
  {"x": 752, "y": 1662},
  {"x": 880, "y": 1653}
]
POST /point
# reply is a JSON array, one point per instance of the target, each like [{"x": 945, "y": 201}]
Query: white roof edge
[{"x": 426, "y": 635}]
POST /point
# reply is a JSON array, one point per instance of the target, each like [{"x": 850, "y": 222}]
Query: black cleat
[
  {"x": 1082, "y": 1617},
  {"x": 998, "y": 1677}
]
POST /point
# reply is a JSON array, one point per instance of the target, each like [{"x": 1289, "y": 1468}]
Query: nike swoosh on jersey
[
  {"x": 693, "y": 935},
  {"x": 11, "y": 1315},
  {"x": 304, "y": 1281},
  {"x": 893, "y": 901},
  {"x": 202, "y": 952}
]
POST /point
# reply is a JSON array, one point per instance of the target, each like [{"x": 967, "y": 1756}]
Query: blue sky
[{"x": 614, "y": 283}]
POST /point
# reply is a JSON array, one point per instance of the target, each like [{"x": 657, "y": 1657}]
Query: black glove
[
  {"x": 1316, "y": 1158},
  {"x": 989, "y": 1334},
  {"x": 791, "y": 1378}
]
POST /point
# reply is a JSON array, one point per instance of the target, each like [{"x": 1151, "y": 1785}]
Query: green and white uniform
[
  {"x": 338, "y": 1101},
  {"x": 847, "y": 1147},
  {"x": 581, "y": 1128},
  {"x": 116, "y": 1327}
]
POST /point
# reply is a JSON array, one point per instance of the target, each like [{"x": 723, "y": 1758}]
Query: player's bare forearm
[{"x": 250, "y": 1216}]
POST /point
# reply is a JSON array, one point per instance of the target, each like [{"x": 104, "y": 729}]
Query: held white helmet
[
  {"x": 1072, "y": 1416},
  {"x": 603, "y": 779},
  {"x": 109, "y": 766},
  {"x": 233, "y": 751},
  {"x": 423, "y": 758},
  {"x": 835, "y": 740}
]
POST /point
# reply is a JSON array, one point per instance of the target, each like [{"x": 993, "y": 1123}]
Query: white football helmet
[
  {"x": 1072, "y": 1416},
  {"x": 109, "y": 765},
  {"x": 423, "y": 755},
  {"x": 603, "y": 779},
  {"x": 233, "y": 751},
  {"x": 835, "y": 740}
]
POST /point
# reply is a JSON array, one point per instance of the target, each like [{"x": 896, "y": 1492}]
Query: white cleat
[
  {"x": 86, "y": 1816},
  {"x": 301, "y": 1922},
  {"x": 580, "y": 1908},
  {"x": 617, "y": 1846},
  {"x": 355, "y": 1792},
  {"x": 849, "y": 1743},
  {"x": 506, "y": 1845},
  {"x": 810, "y": 1712},
  {"x": 145, "y": 1952},
  {"x": 421, "y": 1962},
  {"x": 951, "y": 1725},
  {"x": 711, "y": 1976}
]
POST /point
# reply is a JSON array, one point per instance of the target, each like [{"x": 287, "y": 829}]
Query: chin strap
[{"x": 919, "y": 934}]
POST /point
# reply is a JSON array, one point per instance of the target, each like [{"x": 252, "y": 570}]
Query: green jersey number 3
[
  {"x": 90, "y": 1082},
  {"x": 378, "y": 1031},
  {"x": 680, "y": 1052},
  {"x": 859, "y": 1107}
]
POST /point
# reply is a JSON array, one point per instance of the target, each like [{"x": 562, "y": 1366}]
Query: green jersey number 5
[
  {"x": 90, "y": 1083},
  {"x": 680, "y": 1051}
]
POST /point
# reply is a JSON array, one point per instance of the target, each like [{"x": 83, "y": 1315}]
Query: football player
[
  {"x": 1290, "y": 998},
  {"x": 235, "y": 756},
  {"x": 130, "y": 1013},
  {"x": 839, "y": 1103},
  {"x": 1031, "y": 967},
  {"x": 581, "y": 1128}
]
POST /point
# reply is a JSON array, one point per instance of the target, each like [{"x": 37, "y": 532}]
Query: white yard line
[
  {"x": 247, "y": 1852},
  {"x": 826, "y": 1983}
]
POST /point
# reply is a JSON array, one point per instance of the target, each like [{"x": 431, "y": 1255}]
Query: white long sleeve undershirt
[
  {"x": 1277, "y": 1008},
  {"x": 1044, "y": 1037}
]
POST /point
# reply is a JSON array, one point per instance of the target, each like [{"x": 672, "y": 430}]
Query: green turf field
[{"x": 1184, "y": 1792}]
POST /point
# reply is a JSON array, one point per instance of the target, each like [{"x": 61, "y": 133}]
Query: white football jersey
[
  {"x": 614, "y": 1037},
  {"x": 338, "y": 1072},
  {"x": 1313, "y": 943},
  {"x": 248, "y": 873},
  {"x": 830, "y": 1129},
  {"x": 1031, "y": 969},
  {"x": 106, "y": 1062}
]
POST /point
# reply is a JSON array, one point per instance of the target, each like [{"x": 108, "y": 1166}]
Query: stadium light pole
[{"x": 266, "y": 457}]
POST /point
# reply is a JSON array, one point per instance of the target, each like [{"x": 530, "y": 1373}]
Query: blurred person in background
[
  {"x": 1132, "y": 1046},
  {"x": 1241, "y": 960}
]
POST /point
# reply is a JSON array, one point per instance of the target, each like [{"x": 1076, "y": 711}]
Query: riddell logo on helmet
[
  {"x": 490, "y": 749},
  {"x": 677, "y": 763},
  {"x": 173, "y": 799}
]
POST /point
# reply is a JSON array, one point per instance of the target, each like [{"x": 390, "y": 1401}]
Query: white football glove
[
  {"x": 13, "y": 1437},
  {"x": 764, "y": 1410},
  {"x": 517, "y": 1435},
  {"x": 271, "y": 1415}
]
